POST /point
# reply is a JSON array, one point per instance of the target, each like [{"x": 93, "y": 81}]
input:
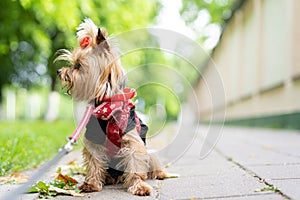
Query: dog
[{"x": 114, "y": 144}]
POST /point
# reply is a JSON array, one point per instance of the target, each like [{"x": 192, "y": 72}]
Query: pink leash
[
  {"x": 82, "y": 124},
  {"x": 15, "y": 194}
]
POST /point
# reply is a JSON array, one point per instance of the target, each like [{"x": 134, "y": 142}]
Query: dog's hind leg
[
  {"x": 155, "y": 171},
  {"x": 135, "y": 163},
  {"x": 95, "y": 162}
]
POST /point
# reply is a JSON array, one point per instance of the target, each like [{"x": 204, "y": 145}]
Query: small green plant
[
  {"x": 268, "y": 188},
  {"x": 229, "y": 159},
  {"x": 62, "y": 184}
]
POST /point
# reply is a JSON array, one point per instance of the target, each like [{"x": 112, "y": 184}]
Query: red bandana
[{"x": 117, "y": 111}]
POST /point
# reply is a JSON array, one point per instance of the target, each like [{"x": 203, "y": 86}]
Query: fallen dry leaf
[
  {"x": 72, "y": 162},
  {"x": 267, "y": 147},
  {"x": 62, "y": 191},
  {"x": 172, "y": 175},
  {"x": 66, "y": 179},
  {"x": 16, "y": 177}
]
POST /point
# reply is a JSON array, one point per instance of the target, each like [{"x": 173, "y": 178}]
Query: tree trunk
[{"x": 52, "y": 110}]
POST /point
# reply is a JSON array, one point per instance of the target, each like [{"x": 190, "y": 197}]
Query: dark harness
[{"x": 112, "y": 118}]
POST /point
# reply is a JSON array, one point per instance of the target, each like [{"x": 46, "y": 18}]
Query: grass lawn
[{"x": 26, "y": 144}]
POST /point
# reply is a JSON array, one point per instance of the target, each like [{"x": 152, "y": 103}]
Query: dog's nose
[{"x": 58, "y": 71}]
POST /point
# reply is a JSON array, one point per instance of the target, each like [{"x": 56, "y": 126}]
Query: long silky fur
[
  {"x": 101, "y": 72},
  {"x": 135, "y": 159},
  {"x": 95, "y": 162}
]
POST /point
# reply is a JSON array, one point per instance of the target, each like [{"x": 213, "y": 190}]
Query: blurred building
[{"x": 258, "y": 61}]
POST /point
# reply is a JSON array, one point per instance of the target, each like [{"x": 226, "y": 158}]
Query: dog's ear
[{"x": 100, "y": 37}]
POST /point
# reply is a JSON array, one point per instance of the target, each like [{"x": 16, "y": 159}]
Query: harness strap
[
  {"x": 82, "y": 124},
  {"x": 99, "y": 112},
  {"x": 128, "y": 93}
]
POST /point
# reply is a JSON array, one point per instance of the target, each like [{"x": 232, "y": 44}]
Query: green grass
[{"x": 25, "y": 145}]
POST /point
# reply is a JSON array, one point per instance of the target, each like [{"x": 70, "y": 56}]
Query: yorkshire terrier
[{"x": 114, "y": 144}]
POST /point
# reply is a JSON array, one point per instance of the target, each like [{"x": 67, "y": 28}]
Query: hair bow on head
[{"x": 85, "y": 42}]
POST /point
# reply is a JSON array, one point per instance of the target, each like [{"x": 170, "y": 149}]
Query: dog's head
[{"x": 94, "y": 69}]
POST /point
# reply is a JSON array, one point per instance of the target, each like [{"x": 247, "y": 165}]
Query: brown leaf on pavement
[
  {"x": 72, "y": 162},
  {"x": 16, "y": 177},
  {"x": 66, "y": 179}
]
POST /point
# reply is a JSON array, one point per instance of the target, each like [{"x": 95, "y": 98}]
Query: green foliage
[
  {"x": 159, "y": 80},
  {"x": 24, "y": 145},
  {"x": 219, "y": 10},
  {"x": 32, "y": 31},
  {"x": 54, "y": 188}
]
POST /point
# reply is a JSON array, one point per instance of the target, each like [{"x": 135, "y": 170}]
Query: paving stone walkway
[{"x": 246, "y": 163}]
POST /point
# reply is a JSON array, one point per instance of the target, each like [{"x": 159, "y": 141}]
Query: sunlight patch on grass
[{"x": 24, "y": 144}]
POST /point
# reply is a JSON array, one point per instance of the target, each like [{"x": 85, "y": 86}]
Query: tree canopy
[
  {"x": 219, "y": 10},
  {"x": 207, "y": 18},
  {"x": 32, "y": 31}
]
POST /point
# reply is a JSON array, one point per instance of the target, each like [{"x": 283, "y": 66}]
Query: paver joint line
[{"x": 250, "y": 172}]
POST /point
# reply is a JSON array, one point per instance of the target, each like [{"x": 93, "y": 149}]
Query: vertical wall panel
[
  {"x": 250, "y": 52},
  {"x": 275, "y": 37},
  {"x": 257, "y": 56}
]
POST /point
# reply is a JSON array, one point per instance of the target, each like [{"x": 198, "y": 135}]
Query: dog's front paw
[
  {"x": 140, "y": 189},
  {"x": 86, "y": 187},
  {"x": 160, "y": 175}
]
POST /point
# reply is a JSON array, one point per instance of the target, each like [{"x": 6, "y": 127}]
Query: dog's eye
[{"x": 77, "y": 66}]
